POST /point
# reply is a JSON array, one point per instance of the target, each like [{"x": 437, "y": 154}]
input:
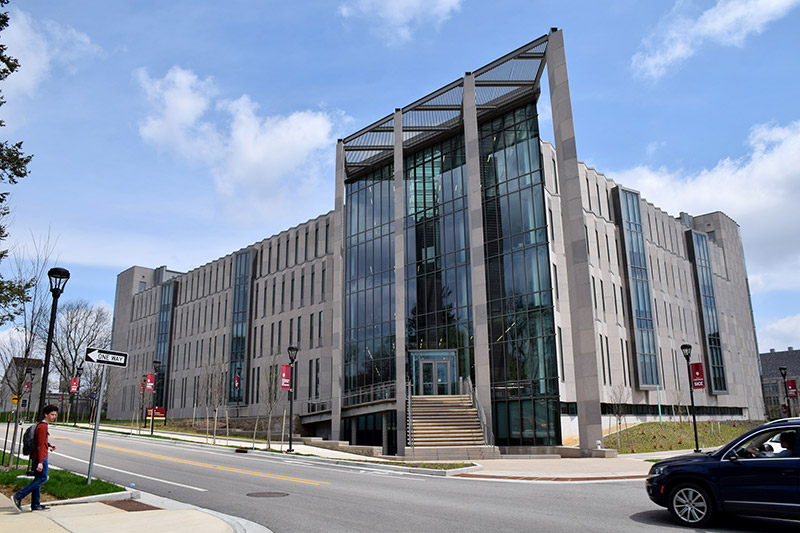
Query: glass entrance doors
[{"x": 433, "y": 372}]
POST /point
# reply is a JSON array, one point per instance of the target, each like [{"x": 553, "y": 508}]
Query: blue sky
[{"x": 176, "y": 132}]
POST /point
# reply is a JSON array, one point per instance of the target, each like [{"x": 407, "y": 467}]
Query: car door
[{"x": 768, "y": 485}]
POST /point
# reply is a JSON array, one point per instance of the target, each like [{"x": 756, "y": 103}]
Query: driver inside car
[{"x": 786, "y": 439}]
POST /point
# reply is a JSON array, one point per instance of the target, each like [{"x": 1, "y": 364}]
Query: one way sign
[{"x": 106, "y": 357}]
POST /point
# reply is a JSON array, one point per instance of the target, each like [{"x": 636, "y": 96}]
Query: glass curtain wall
[
  {"x": 629, "y": 220},
  {"x": 438, "y": 298},
  {"x": 241, "y": 300},
  {"x": 522, "y": 349},
  {"x": 167, "y": 303},
  {"x": 698, "y": 244},
  {"x": 369, "y": 336}
]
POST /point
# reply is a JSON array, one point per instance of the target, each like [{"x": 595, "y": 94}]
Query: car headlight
[{"x": 656, "y": 471}]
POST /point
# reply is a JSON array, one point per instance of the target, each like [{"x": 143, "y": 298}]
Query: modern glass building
[{"x": 474, "y": 288}]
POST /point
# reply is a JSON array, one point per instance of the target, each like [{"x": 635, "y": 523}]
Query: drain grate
[{"x": 267, "y": 494}]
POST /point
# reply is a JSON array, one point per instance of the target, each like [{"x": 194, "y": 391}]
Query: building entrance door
[{"x": 436, "y": 377}]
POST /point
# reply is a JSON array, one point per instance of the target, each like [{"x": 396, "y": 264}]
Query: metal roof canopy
[{"x": 513, "y": 76}]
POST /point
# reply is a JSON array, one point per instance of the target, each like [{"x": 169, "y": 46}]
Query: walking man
[{"x": 39, "y": 457}]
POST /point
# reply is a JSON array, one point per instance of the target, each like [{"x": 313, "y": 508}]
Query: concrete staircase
[{"x": 446, "y": 427}]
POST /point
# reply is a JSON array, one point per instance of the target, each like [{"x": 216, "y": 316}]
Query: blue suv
[{"x": 757, "y": 473}]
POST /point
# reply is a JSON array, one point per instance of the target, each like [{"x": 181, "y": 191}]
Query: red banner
[
  {"x": 141, "y": 388},
  {"x": 151, "y": 381},
  {"x": 73, "y": 386},
  {"x": 26, "y": 387},
  {"x": 792, "y": 386},
  {"x": 236, "y": 382},
  {"x": 698, "y": 378},
  {"x": 286, "y": 377}
]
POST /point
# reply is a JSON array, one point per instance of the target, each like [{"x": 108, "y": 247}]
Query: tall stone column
[
  {"x": 399, "y": 284},
  {"x": 480, "y": 324},
  {"x": 337, "y": 329},
  {"x": 587, "y": 380}
]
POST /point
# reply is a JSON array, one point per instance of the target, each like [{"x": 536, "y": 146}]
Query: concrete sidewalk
[{"x": 145, "y": 512}]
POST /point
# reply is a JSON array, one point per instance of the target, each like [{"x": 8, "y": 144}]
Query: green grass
[
  {"x": 655, "y": 437},
  {"x": 61, "y": 484}
]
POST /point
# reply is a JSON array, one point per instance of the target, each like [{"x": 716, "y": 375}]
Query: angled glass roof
[{"x": 515, "y": 75}]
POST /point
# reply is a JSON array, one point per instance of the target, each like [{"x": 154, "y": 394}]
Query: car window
[{"x": 776, "y": 442}]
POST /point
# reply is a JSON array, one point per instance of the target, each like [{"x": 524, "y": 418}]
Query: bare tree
[
  {"x": 269, "y": 396},
  {"x": 29, "y": 265},
  {"x": 214, "y": 387},
  {"x": 618, "y": 398},
  {"x": 679, "y": 399},
  {"x": 79, "y": 325}
]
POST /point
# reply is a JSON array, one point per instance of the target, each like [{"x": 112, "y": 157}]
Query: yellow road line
[{"x": 203, "y": 465}]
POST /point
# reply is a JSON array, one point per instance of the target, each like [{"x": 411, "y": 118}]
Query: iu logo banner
[
  {"x": 73, "y": 386},
  {"x": 151, "y": 380},
  {"x": 792, "y": 386},
  {"x": 286, "y": 377},
  {"x": 236, "y": 382},
  {"x": 698, "y": 378}
]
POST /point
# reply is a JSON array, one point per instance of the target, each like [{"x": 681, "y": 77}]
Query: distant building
[
  {"x": 463, "y": 253},
  {"x": 22, "y": 378},
  {"x": 772, "y": 381}
]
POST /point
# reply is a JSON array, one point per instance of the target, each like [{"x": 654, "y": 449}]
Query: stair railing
[
  {"x": 476, "y": 403},
  {"x": 409, "y": 416}
]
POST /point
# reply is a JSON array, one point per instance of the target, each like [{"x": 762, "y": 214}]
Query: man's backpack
[{"x": 29, "y": 440}]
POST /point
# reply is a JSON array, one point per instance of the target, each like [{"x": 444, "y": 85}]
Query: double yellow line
[{"x": 202, "y": 465}]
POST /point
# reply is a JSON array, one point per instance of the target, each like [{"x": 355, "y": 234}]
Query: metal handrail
[
  {"x": 410, "y": 416},
  {"x": 487, "y": 434}
]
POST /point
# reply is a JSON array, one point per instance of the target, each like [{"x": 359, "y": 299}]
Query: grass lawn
[
  {"x": 654, "y": 437},
  {"x": 61, "y": 485}
]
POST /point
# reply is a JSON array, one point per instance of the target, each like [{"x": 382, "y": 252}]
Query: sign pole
[{"x": 96, "y": 425}]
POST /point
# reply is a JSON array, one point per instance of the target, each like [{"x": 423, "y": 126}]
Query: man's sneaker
[
  {"x": 40, "y": 508},
  {"x": 17, "y": 503}
]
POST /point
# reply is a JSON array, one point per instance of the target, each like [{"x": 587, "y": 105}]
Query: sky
[{"x": 173, "y": 133}]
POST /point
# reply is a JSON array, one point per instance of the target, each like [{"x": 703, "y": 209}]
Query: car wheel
[{"x": 691, "y": 505}]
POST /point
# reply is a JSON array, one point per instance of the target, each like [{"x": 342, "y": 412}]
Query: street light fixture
[
  {"x": 786, "y": 390},
  {"x": 58, "y": 279},
  {"x": 687, "y": 353},
  {"x": 156, "y": 367},
  {"x": 292, "y": 350}
]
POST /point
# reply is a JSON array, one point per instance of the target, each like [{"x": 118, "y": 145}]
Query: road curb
[{"x": 127, "y": 494}]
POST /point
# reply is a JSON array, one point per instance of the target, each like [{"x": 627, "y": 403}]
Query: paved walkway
[{"x": 146, "y": 512}]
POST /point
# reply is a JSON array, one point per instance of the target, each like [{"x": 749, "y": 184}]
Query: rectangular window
[
  {"x": 310, "y": 377},
  {"x": 311, "y": 331},
  {"x": 283, "y": 294},
  {"x": 299, "y": 330},
  {"x": 319, "y": 329},
  {"x": 296, "y": 247},
  {"x": 269, "y": 259},
  {"x": 305, "y": 247},
  {"x": 302, "y": 289},
  {"x": 327, "y": 236},
  {"x": 322, "y": 288},
  {"x": 273, "y": 296},
  {"x": 277, "y": 257},
  {"x": 316, "y": 379},
  {"x": 594, "y": 292},
  {"x": 291, "y": 293},
  {"x": 279, "y": 335},
  {"x": 312, "y": 286},
  {"x": 272, "y": 339},
  {"x": 316, "y": 242},
  {"x": 291, "y": 330},
  {"x": 286, "y": 255}
]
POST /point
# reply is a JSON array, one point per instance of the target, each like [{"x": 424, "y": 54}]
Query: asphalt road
[{"x": 301, "y": 494}]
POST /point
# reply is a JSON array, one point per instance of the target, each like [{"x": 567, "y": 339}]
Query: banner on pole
[
  {"x": 792, "y": 386},
  {"x": 286, "y": 377},
  {"x": 698, "y": 378},
  {"x": 151, "y": 381},
  {"x": 73, "y": 386}
]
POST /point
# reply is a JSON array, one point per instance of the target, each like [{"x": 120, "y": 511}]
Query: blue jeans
[{"x": 39, "y": 479}]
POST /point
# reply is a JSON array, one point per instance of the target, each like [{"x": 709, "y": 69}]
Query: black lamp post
[
  {"x": 156, "y": 367},
  {"x": 58, "y": 279},
  {"x": 292, "y": 358},
  {"x": 76, "y": 395},
  {"x": 786, "y": 391},
  {"x": 687, "y": 353}
]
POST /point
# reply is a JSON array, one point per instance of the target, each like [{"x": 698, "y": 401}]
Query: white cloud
[
  {"x": 41, "y": 47},
  {"x": 761, "y": 191},
  {"x": 780, "y": 334},
  {"x": 728, "y": 23},
  {"x": 396, "y": 20},
  {"x": 261, "y": 165}
]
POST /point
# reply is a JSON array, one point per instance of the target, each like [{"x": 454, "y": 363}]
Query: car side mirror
[{"x": 733, "y": 458}]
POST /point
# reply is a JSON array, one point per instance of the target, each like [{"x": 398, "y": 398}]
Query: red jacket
[{"x": 40, "y": 441}]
